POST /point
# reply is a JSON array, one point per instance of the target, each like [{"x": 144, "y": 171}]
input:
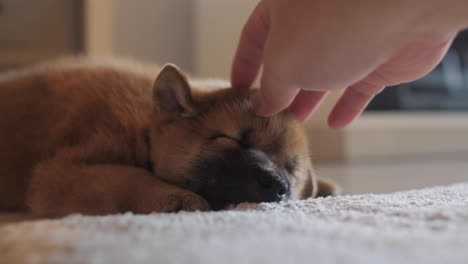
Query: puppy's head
[{"x": 214, "y": 144}]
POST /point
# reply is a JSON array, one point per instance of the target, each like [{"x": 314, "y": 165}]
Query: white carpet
[{"x": 421, "y": 226}]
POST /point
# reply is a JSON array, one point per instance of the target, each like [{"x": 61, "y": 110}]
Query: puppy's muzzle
[
  {"x": 243, "y": 176},
  {"x": 268, "y": 185}
]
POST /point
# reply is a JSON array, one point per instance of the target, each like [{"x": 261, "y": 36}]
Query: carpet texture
[{"x": 419, "y": 226}]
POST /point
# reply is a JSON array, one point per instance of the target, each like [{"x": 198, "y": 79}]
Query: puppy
[{"x": 103, "y": 137}]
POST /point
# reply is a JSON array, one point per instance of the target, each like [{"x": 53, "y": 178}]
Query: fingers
[
  {"x": 305, "y": 103},
  {"x": 351, "y": 104},
  {"x": 249, "y": 54},
  {"x": 273, "y": 96},
  {"x": 411, "y": 62}
]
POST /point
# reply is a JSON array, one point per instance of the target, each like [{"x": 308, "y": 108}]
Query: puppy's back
[{"x": 61, "y": 104}]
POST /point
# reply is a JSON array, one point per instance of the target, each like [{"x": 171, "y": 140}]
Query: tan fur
[
  {"x": 77, "y": 136},
  {"x": 327, "y": 187}
]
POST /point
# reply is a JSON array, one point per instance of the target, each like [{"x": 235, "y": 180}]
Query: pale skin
[{"x": 310, "y": 47}]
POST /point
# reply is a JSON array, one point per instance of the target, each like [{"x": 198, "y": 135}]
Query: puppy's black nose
[{"x": 271, "y": 183}]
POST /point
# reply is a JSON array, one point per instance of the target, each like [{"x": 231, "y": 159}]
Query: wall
[
  {"x": 31, "y": 31},
  {"x": 154, "y": 30}
]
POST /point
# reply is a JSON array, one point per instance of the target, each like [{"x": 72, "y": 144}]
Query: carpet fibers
[{"x": 418, "y": 226}]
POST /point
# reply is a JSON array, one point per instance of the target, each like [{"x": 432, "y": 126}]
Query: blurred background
[{"x": 411, "y": 136}]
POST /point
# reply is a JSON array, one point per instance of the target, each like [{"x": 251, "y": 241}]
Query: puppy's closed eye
[
  {"x": 222, "y": 136},
  {"x": 242, "y": 142}
]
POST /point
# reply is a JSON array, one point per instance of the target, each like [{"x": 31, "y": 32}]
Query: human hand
[{"x": 311, "y": 47}]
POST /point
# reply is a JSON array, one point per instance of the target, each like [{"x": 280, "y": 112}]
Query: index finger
[{"x": 249, "y": 54}]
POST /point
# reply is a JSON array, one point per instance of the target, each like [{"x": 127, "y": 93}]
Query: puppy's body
[
  {"x": 96, "y": 138},
  {"x": 73, "y": 115}
]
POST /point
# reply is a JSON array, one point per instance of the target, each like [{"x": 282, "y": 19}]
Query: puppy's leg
[
  {"x": 59, "y": 188},
  {"x": 327, "y": 187}
]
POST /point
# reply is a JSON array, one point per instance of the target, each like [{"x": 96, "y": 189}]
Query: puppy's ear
[{"x": 171, "y": 92}]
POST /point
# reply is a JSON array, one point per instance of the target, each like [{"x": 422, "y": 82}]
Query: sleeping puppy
[{"x": 97, "y": 137}]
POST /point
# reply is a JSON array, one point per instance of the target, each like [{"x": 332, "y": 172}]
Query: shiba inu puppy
[{"x": 97, "y": 137}]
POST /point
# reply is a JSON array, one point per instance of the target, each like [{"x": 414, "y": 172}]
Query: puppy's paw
[
  {"x": 173, "y": 200},
  {"x": 327, "y": 187},
  {"x": 186, "y": 201}
]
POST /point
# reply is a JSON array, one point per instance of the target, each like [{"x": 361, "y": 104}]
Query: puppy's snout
[
  {"x": 271, "y": 184},
  {"x": 244, "y": 176}
]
